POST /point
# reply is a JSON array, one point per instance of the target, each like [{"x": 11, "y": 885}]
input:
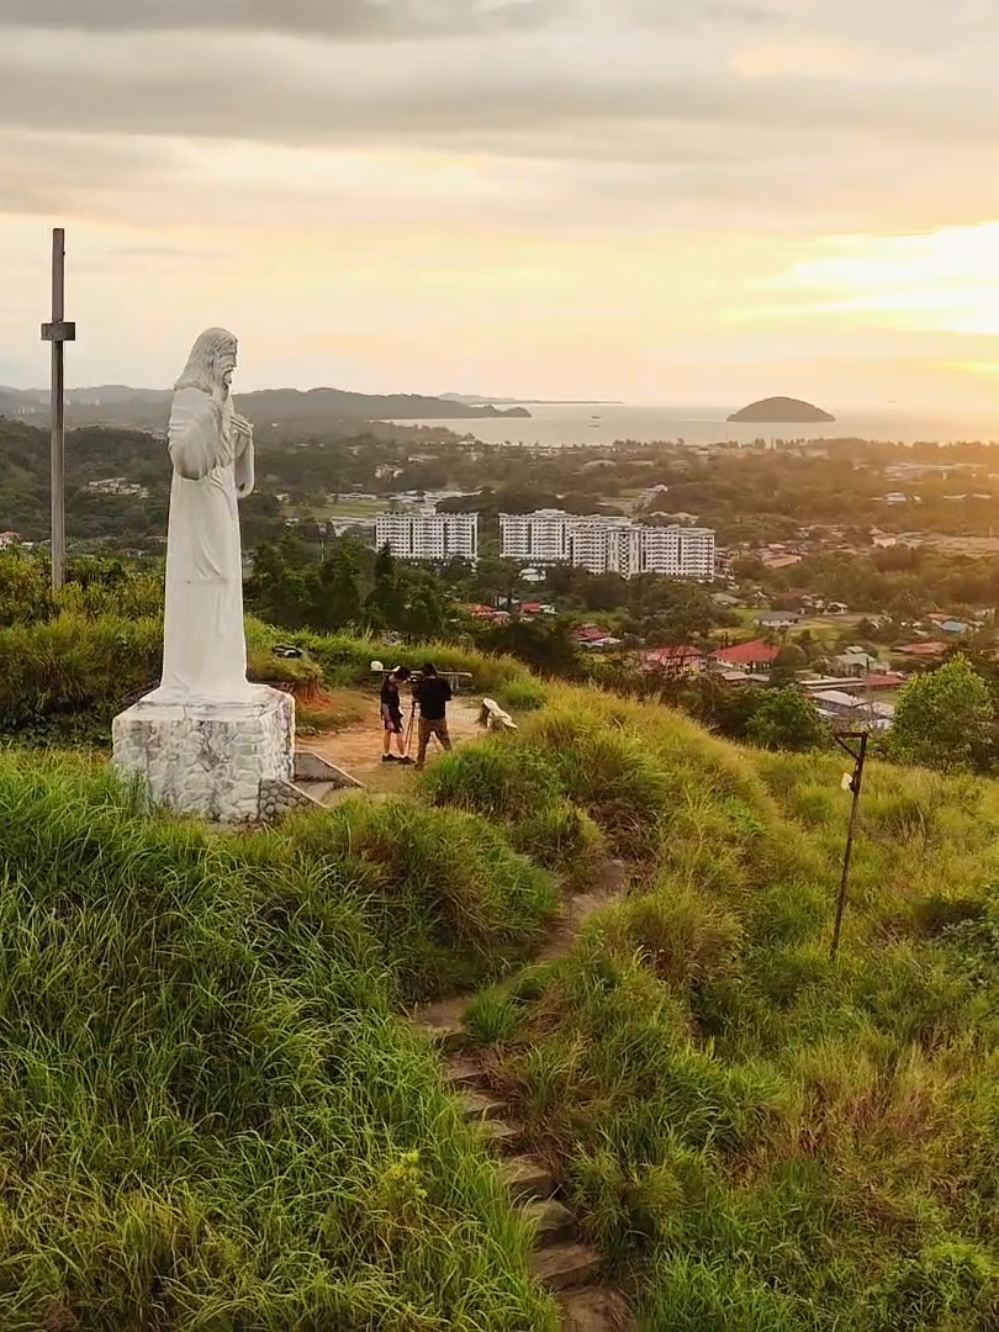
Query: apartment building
[
  {"x": 601, "y": 544},
  {"x": 541, "y": 537},
  {"x": 676, "y": 552},
  {"x": 427, "y": 535}
]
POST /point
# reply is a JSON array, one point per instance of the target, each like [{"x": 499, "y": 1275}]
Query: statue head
[{"x": 211, "y": 363}]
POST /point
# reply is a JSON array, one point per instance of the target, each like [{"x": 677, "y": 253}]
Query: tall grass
[
  {"x": 210, "y": 1117},
  {"x": 204, "y": 1092},
  {"x": 449, "y": 899},
  {"x": 757, "y": 1136}
]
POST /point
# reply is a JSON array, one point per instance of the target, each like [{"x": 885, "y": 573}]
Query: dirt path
[
  {"x": 561, "y": 1260},
  {"x": 357, "y": 748}
]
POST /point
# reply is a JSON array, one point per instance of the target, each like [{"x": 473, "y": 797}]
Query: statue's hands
[{"x": 243, "y": 428}]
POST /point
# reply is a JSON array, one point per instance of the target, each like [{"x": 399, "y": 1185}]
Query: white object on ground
[{"x": 493, "y": 718}]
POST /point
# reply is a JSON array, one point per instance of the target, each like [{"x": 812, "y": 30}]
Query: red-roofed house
[
  {"x": 592, "y": 636},
  {"x": 755, "y": 656},
  {"x": 922, "y": 650},
  {"x": 883, "y": 680},
  {"x": 675, "y": 660}
]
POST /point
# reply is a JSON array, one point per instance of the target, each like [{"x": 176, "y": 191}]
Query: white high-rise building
[
  {"x": 427, "y": 535},
  {"x": 602, "y": 544},
  {"x": 541, "y": 537}
]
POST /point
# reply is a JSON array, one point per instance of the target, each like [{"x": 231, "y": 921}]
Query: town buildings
[
  {"x": 607, "y": 545},
  {"x": 427, "y": 535}
]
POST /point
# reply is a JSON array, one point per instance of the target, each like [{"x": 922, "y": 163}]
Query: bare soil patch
[{"x": 357, "y": 747}]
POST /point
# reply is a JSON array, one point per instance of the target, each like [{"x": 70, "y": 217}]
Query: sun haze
[{"x": 653, "y": 200}]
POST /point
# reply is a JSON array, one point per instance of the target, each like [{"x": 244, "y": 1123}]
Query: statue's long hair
[{"x": 202, "y": 370}]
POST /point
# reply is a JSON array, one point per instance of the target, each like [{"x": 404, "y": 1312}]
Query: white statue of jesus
[{"x": 211, "y": 448}]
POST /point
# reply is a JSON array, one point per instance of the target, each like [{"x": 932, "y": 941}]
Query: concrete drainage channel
[{"x": 561, "y": 1262}]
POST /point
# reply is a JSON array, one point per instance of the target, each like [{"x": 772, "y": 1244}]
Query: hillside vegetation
[
  {"x": 761, "y": 1139},
  {"x": 211, "y": 1107},
  {"x": 210, "y": 1117}
]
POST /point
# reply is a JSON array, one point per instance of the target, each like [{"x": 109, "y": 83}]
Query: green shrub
[
  {"x": 70, "y": 668},
  {"x": 609, "y": 774},
  {"x": 691, "y": 1295},
  {"x": 447, "y": 894},
  {"x": 523, "y": 695},
  {"x": 346, "y": 660},
  {"x": 215, "y": 1118},
  {"x": 687, "y": 939},
  {"x": 497, "y": 776},
  {"x": 561, "y": 837}
]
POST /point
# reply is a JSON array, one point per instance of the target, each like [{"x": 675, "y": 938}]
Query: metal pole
[
  {"x": 855, "y": 783},
  {"x": 58, "y": 413},
  {"x": 58, "y": 332}
]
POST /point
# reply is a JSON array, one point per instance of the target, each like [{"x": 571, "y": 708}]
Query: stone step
[
  {"x": 464, "y": 1072},
  {"x": 449, "y": 1037},
  {"x": 441, "y": 1023},
  {"x": 500, "y": 1135},
  {"x": 563, "y": 1266},
  {"x": 594, "y": 1309},
  {"x": 478, "y": 1105},
  {"x": 323, "y": 793},
  {"x": 551, "y": 1221},
  {"x": 527, "y": 1179}
]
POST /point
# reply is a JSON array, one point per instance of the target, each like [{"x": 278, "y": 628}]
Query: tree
[
  {"x": 425, "y": 617},
  {"x": 945, "y": 719},
  {"x": 548, "y": 647},
  {"x": 385, "y": 603},
  {"x": 25, "y": 594},
  {"x": 339, "y": 597},
  {"x": 787, "y": 720},
  {"x": 790, "y": 659},
  {"x": 280, "y": 588}
]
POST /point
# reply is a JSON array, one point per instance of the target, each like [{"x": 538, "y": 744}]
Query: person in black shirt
[
  {"x": 433, "y": 695},
  {"x": 392, "y": 716}
]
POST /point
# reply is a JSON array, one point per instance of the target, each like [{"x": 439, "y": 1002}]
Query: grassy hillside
[
  {"x": 760, "y": 1138},
  {"x": 210, "y": 1107},
  {"x": 209, "y": 1113}
]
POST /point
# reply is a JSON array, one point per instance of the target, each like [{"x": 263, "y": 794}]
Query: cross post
[{"x": 58, "y": 332}]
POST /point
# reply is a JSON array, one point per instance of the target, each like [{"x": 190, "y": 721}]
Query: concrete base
[{"x": 209, "y": 757}]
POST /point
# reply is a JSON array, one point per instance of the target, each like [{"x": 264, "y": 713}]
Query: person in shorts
[
  {"x": 433, "y": 695},
  {"x": 392, "y": 722}
]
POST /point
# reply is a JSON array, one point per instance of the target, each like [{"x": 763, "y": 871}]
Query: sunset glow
[{"x": 543, "y": 199}]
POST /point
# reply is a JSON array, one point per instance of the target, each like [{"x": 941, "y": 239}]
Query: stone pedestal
[{"x": 209, "y": 758}]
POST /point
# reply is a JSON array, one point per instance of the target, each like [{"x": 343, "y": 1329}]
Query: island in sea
[{"x": 783, "y": 411}]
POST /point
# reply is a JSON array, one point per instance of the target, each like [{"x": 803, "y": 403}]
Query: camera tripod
[{"x": 409, "y": 731}]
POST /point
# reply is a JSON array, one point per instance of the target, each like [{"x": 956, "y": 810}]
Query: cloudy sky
[{"x": 666, "y": 201}]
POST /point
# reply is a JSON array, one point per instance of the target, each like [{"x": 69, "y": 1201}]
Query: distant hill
[
  {"x": 783, "y": 411},
  {"x": 478, "y": 400},
  {"x": 144, "y": 409}
]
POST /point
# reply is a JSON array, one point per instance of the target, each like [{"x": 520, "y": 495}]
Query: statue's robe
[{"x": 204, "y": 642}]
